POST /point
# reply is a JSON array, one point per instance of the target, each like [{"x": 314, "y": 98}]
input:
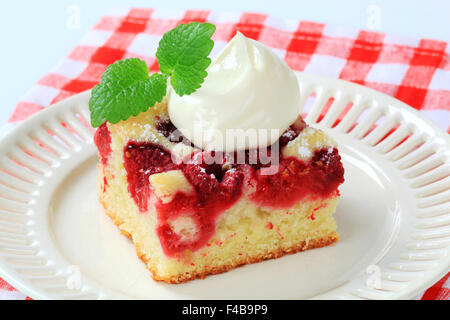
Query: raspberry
[
  {"x": 168, "y": 130},
  {"x": 140, "y": 161},
  {"x": 102, "y": 139}
]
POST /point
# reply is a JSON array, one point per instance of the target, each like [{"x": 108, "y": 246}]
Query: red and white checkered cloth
[{"x": 416, "y": 71}]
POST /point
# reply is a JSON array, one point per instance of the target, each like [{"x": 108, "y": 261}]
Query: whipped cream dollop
[{"x": 249, "y": 92}]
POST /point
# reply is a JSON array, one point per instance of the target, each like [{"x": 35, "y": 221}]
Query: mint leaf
[
  {"x": 125, "y": 90},
  {"x": 183, "y": 55}
]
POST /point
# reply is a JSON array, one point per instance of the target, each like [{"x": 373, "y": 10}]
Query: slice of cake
[
  {"x": 208, "y": 166},
  {"x": 189, "y": 219}
]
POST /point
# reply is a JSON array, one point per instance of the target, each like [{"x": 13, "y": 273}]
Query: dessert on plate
[{"x": 196, "y": 202}]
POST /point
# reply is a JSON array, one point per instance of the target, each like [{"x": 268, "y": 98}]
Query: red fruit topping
[
  {"x": 140, "y": 161},
  {"x": 296, "y": 179},
  {"x": 102, "y": 139}
]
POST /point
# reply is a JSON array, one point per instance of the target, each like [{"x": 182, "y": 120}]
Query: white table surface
[{"x": 35, "y": 36}]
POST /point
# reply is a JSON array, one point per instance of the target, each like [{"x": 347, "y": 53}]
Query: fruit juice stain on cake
[
  {"x": 105, "y": 184},
  {"x": 102, "y": 139},
  {"x": 210, "y": 199},
  {"x": 247, "y": 80}
]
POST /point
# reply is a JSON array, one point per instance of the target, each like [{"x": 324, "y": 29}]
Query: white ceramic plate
[{"x": 393, "y": 218}]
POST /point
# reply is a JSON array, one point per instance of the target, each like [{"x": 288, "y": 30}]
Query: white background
[{"x": 35, "y": 36}]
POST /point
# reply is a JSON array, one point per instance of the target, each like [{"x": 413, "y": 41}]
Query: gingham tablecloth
[{"x": 416, "y": 71}]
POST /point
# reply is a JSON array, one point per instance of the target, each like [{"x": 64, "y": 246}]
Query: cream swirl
[{"x": 249, "y": 91}]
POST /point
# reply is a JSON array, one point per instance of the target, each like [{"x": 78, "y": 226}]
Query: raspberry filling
[
  {"x": 295, "y": 180},
  {"x": 102, "y": 139},
  {"x": 140, "y": 161},
  {"x": 218, "y": 186},
  {"x": 214, "y": 193},
  {"x": 168, "y": 129}
]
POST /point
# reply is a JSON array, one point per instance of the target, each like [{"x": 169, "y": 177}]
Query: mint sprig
[
  {"x": 126, "y": 88},
  {"x": 183, "y": 55}
]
